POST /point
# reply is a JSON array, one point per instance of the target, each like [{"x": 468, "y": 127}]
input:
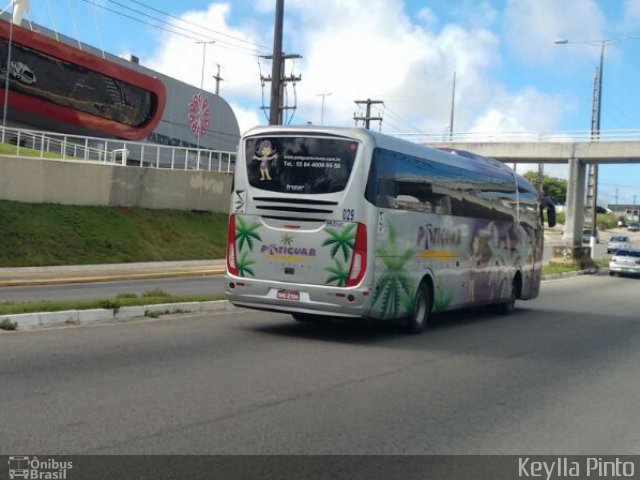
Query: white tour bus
[{"x": 344, "y": 222}]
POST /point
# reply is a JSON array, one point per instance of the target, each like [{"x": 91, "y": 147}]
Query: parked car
[
  {"x": 586, "y": 236},
  {"x": 618, "y": 242},
  {"x": 633, "y": 226},
  {"x": 625, "y": 262}
]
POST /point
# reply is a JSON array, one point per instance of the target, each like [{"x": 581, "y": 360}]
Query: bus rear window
[{"x": 303, "y": 165}]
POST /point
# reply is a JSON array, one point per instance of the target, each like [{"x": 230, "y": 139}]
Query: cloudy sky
[{"x": 510, "y": 75}]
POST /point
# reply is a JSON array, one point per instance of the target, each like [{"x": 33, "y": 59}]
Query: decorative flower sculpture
[{"x": 199, "y": 115}]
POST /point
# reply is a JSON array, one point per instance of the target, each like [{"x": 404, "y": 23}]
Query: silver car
[
  {"x": 617, "y": 242},
  {"x": 625, "y": 261}
]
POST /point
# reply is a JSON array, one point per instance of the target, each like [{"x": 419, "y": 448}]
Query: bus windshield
[{"x": 303, "y": 165}]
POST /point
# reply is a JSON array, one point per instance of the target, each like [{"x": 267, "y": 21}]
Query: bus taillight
[
  {"x": 359, "y": 260},
  {"x": 231, "y": 246}
]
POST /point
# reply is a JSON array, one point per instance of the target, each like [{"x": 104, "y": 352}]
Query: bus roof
[{"x": 457, "y": 158}]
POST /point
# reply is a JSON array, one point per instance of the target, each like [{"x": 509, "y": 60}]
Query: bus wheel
[
  {"x": 508, "y": 307},
  {"x": 419, "y": 318}
]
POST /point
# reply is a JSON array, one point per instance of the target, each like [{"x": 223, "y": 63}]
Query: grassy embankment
[
  {"x": 44, "y": 234},
  {"x": 9, "y": 149},
  {"x": 38, "y": 235}
]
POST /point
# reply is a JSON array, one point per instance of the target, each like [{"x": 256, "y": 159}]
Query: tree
[{"x": 554, "y": 188}]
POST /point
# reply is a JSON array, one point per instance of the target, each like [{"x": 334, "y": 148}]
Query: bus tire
[
  {"x": 419, "y": 318},
  {"x": 508, "y": 307}
]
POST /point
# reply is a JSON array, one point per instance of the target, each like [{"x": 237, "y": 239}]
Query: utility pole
[
  {"x": 367, "y": 118},
  {"x": 278, "y": 81},
  {"x": 323, "y": 95},
  {"x": 540, "y": 177},
  {"x": 218, "y": 79}
]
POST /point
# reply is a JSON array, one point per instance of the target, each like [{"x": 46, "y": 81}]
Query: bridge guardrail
[{"x": 568, "y": 136}]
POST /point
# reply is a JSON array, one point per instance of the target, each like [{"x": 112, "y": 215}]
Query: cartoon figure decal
[{"x": 264, "y": 155}]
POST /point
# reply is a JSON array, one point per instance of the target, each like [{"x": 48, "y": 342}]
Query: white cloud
[
  {"x": 532, "y": 26},
  {"x": 247, "y": 118},
  {"x": 371, "y": 49},
  {"x": 182, "y": 58},
  {"x": 524, "y": 111},
  {"x": 385, "y": 55}
]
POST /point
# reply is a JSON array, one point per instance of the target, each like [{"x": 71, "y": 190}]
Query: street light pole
[
  {"x": 453, "y": 105},
  {"x": 6, "y": 77},
  {"x": 595, "y": 136},
  {"x": 322, "y": 107},
  {"x": 204, "y": 44},
  {"x": 592, "y": 182}
]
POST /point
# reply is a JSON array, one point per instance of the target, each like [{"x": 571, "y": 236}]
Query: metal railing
[
  {"x": 56, "y": 146},
  {"x": 568, "y": 136}
]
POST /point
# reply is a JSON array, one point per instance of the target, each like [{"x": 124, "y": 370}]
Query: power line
[
  {"x": 199, "y": 37},
  {"x": 197, "y": 25},
  {"x": 401, "y": 119},
  {"x": 176, "y": 26},
  {"x": 91, "y": 2}
]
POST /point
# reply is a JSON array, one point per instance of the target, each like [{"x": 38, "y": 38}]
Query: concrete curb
[
  {"x": 107, "y": 278},
  {"x": 100, "y": 315},
  {"x": 86, "y": 317}
]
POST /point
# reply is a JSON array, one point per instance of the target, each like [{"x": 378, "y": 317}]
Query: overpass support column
[{"x": 572, "y": 251}]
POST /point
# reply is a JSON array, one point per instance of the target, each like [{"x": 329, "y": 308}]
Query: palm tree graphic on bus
[
  {"x": 245, "y": 235},
  {"x": 340, "y": 241},
  {"x": 394, "y": 288}
]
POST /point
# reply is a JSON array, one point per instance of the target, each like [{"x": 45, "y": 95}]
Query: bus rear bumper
[{"x": 311, "y": 299}]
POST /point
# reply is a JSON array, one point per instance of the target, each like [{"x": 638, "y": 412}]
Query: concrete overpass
[
  {"x": 551, "y": 151},
  {"x": 577, "y": 151}
]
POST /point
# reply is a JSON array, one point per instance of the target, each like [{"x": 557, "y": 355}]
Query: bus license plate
[{"x": 288, "y": 295}]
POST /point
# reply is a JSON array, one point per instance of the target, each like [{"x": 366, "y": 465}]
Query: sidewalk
[{"x": 24, "y": 276}]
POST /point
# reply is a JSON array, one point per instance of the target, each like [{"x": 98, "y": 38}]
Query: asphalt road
[{"x": 560, "y": 376}]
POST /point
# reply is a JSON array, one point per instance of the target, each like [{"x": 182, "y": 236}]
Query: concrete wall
[{"x": 77, "y": 183}]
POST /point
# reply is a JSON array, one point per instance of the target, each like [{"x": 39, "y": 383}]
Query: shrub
[{"x": 6, "y": 324}]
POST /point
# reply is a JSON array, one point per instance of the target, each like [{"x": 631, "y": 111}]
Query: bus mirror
[{"x": 551, "y": 215}]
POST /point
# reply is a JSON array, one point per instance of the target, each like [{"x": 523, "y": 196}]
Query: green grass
[
  {"x": 46, "y": 234},
  {"x": 9, "y": 149},
  {"x": 558, "y": 268},
  {"x": 116, "y": 303}
]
